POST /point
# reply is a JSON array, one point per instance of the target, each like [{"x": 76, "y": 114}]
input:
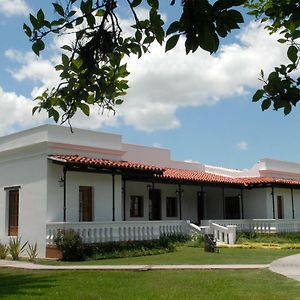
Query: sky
[{"x": 199, "y": 105}]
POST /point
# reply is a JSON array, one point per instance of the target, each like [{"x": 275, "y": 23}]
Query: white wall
[
  {"x": 255, "y": 204},
  {"x": 30, "y": 175},
  {"x": 102, "y": 195}
]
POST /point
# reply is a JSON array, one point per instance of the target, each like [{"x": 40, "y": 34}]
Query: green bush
[
  {"x": 32, "y": 252},
  {"x": 71, "y": 245},
  {"x": 166, "y": 243},
  {"x": 15, "y": 248},
  {"x": 3, "y": 251}
]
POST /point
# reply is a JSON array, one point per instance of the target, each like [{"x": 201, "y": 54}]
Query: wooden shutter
[{"x": 13, "y": 214}]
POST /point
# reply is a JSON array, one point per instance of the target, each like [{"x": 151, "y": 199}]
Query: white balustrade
[
  {"x": 100, "y": 232},
  {"x": 259, "y": 225}
]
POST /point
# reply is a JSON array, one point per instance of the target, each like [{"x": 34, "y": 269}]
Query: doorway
[
  {"x": 154, "y": 204},
  {"x": 279, "y": 207},
  {"x": 232, "y": 208}
]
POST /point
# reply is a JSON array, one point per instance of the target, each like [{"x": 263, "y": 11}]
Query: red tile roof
[
  {"x": 172, "y": 174},
  {"x": 195, "y": 176},
  {"x": 90, "y": 161}
]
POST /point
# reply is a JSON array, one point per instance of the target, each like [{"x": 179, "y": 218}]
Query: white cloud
[
  {"x": 162, "y": 83},
  {"x": 14, "y": 8},
  {"x": 15, "y": 111},
  {"x": 192, "y": 161},
  {"x": 157, "y": 145},
  {"x": 242, "y": 145}
]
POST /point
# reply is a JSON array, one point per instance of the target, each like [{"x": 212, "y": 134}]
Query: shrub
[
  {"x": 15, "y": 248},
  {"x": 71, "y": 245},
  {"x": 32, "y": 252},
  {"x": 3, "y": 251}
]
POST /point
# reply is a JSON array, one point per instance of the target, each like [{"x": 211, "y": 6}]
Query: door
[
  {"x": 279, "y": 207},
  {"x": 200, "y": 206},
  {"x": 13, "y": 214},
  {"x": 232, "y": 208},
  {"x": 85, "y": 204},
  {"x": 154, "y": 204}
]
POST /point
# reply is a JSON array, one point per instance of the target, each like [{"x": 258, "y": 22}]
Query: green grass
[
  {"x": 217, "y": 284},
  {"x": 193, "y": 255}
]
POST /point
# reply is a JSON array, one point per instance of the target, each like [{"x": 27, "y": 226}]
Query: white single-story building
[{"x": 91, "y": 181}]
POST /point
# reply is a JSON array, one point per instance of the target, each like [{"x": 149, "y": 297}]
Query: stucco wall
[
  {"x": 30, "y": 175},
  {"x": 102, "y": 195},
  {"x": 255, "y": 204}
]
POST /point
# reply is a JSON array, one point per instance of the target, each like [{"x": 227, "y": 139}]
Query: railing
[
  {"x": 260, "y": 225},
  {"x": 100, "y": 232},
  {"x": 222, "y": 234}
]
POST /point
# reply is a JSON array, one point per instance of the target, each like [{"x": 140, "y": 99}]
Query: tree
[{"x": 92, "y": 68}]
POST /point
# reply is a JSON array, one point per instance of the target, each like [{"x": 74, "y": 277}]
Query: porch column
[
  {"x": 223, "y": 199},
  {"x": 65, "y": 193},
  {"x": 273, "y": 201},
  {"x": 293, "y": 208},
  {"x": 113, "y": 197},
  {"x": 124, "y": 200},
  {"x": 242, "y": 203},
  {"x": 179, "y": 193}
]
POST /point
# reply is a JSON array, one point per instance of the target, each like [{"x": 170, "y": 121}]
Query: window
[
  {"x": 13, "y": 212},
  {"x": 136, "y": 207},
  {"x": 172, "y": 207},
  {"x": 85, "y": 204}
]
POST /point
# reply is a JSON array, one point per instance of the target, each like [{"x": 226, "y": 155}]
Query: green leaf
[
  {"x": 292, "y": 54},
  {"x": 100, "y": 13},
  {"x": 27, "y": 30},
  {"x": 85, "y": 108},
  {"x": 175, "y": 26},
  {"x": 287, "y": 109},
  {"x": 40, "y": 16},
  {"x": 258, "y": 95},
  {"x": 38, "y": 46},
  {"x": 34, "y": 21},
  {"x": 65, "y": 59},
  {"x": 266, "y": 104},
  {"x": 119, "y": 101},
  {"x": 282, "y": 41},
  {"x": 91, "y": 20},
  {"x": 153, "y": 3},
  {"x": 136, "y": 3},
  {"x": 66, "y": 47},
  {"x": 171, "y": 42},
  {"x": 59, "y": 9},
  {"x": 35, "y": 109}
]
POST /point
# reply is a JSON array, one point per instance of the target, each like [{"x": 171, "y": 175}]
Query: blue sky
[{"x": 198, "y": 106}]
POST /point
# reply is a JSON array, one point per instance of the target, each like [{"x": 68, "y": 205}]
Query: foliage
[
  {"x": 197, "y": 241},
  {"x": 281, "y": 87},
  {"x": 92, "y": 68},
  {"x": 3, "y": 251},
  {"x": 166, "y": 243},
  {"x": 15, "y": 247},
  {"x": 277, "y": 238},
  {"x": 32, "y": 252},
  {"x": 71, "y": 245}
]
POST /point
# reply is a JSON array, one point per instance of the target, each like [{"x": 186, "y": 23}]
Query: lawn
[
  {"x": 217, "y": 284},
  {"x": 194, "y": 255}
]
